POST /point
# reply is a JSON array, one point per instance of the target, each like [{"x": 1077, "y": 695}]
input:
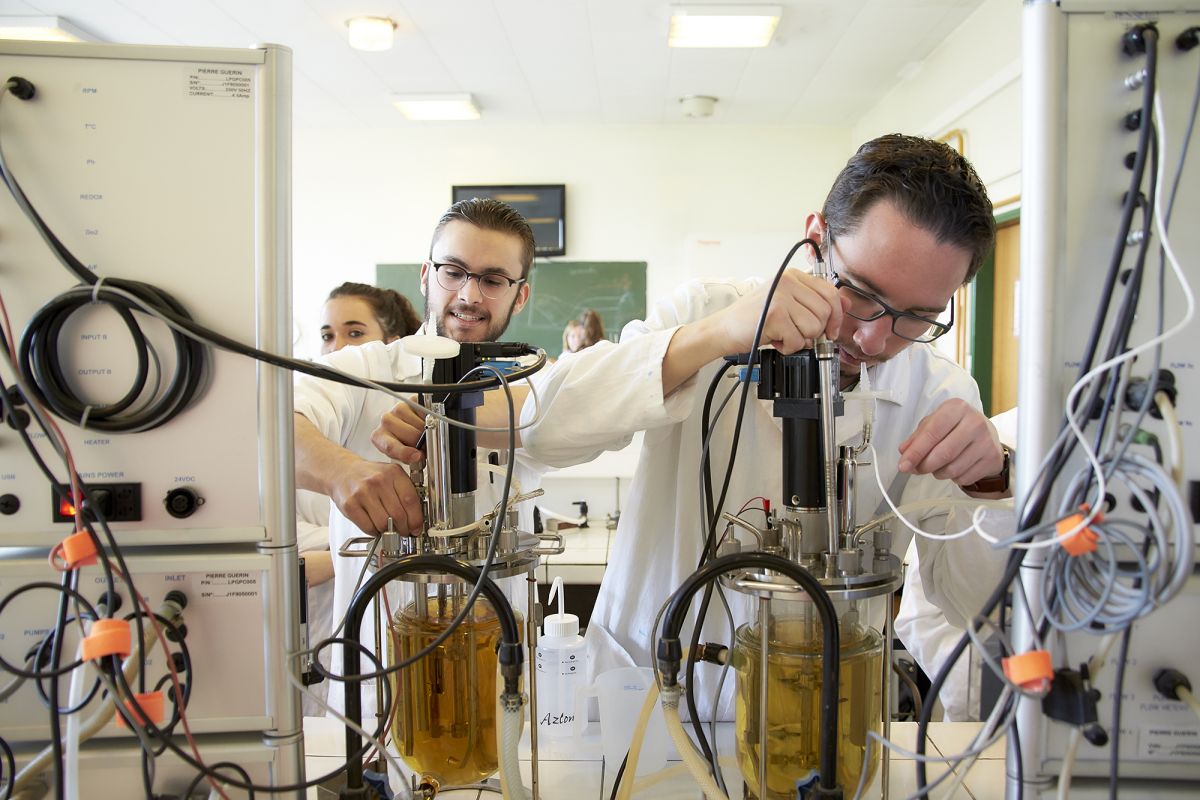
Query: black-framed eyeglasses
[
  {"x": 492, "y": 285},
  {"x": 905, "y": 324}
]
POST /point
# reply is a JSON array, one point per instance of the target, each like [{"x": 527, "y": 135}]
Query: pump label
[{"x": 1157, "y": 743}]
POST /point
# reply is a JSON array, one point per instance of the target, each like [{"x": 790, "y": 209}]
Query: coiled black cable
[{"x": 38, "y": 360}]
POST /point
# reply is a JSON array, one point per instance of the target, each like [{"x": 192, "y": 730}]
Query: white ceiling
[{"x": 550, "y": 61}]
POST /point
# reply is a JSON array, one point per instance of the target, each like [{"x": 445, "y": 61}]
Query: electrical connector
[
  {"x": 713, "y": 653},
  {"x": 1073, "y": 700},
  {"x": 1162, "y": 381},
  {"x": 1188, "y": 39},
  {"x": 21, "y": 88},
  {"x": 1169, "y": 681},
  {"x": 1133, "y": 42}
]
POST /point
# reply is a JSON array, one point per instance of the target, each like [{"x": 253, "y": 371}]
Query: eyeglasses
[
  {"x": 905, "y": 324},
  {"x": 492, "y": 285}
]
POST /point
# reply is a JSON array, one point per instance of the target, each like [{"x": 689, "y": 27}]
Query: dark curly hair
[
  {"x": 929, "y": 182},
  {"x": 392, "y": 309}
]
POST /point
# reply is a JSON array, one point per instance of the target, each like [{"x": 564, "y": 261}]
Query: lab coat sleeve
[
  {"x": 596, "y": 399},
  {"x": 331, "y": 406},
  {"x": 312, "y": 521}
]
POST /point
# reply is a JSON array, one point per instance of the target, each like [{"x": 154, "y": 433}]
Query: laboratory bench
[{"x": 571, "y": 769}]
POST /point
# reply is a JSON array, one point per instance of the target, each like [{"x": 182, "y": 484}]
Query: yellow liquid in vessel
[
  {"x": 794, "y": 705},
  {"x": 444, "y": 726}
]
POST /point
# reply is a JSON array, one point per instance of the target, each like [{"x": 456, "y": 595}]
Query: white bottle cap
[{"x": 562, "y": 624}]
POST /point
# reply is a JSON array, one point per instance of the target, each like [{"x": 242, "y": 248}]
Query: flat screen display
[{"x": 543, "y": 206}]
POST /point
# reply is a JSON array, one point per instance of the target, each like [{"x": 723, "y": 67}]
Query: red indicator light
[{"x": 66, "y": 508}]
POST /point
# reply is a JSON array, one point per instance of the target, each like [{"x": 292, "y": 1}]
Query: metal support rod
[
  {"x": 889, "y": 634},
  {"x": 378, "y": 608},
  {"x": 437, "y": 473},
  {"x": 764, "y": 622},
  {"x": 531, "y": 625},
  {"x": 826, "y": 351}
]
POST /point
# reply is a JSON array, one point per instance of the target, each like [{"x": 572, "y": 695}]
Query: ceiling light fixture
[
  {"x": 434, "y": 107},
  {"x": 698, "y": 105},
  {"x": 722, "y": 25},
  {"x": 42, "y": 29},
  {"x": 371, "y": 33}
]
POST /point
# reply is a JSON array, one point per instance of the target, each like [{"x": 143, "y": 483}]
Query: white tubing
[
  {"x": 511, "y": 786},
  {"x": 687, "y": 751},
  {"x": 71, "y": 739},
  {"x": 1068, "y": 764}
]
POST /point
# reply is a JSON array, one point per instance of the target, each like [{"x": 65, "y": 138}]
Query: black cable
[
  {"x": 1119, "y": 246},
  {"x": 38, "y": 360},
  {"x": 509, "y": 656},
  {"x": 1115, "y": 734},
  {"x": 617, "y": 781},
  {"x": 55, "y": 721},
  {"x": 710, "y": 546},
  {"x": 670, "y": 651},
  {"x": 195, "y": 784},
  {"x": 40, "y": 655},
  {"x": 10, "y": 768}
]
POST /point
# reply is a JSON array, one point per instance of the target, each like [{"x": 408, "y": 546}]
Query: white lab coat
[
  {"x": 347, "y": 416},
  {"x": 596, "y": 398},
  {"x": 926, "y": 632},
  {"x": 312, "y": 535}
]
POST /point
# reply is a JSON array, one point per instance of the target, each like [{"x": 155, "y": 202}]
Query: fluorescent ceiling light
[
  {"x": 42, "y": 29},
  {"x": 436, "y": 106},
  {"x": 371, "y": 33},
  {"x": 722, "y": 26}
]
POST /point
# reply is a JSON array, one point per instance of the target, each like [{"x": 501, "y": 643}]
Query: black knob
[
  {"x": 18, "y": 420},
  {"x": 182, "y": 503},
  {"x": 9, "y": 504}
]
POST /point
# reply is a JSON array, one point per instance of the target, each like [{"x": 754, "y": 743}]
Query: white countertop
[{"x": 576, "y": 771}]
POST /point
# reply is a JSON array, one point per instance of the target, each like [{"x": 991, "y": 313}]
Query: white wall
[
  {"x": 690, "y": 201},
  {"x": 972, "y": 81}
]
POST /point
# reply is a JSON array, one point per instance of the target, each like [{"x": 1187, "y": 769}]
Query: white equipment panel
[
  {"x": 1076, "y": 176},
  {"x": 156, "y": 165},
  {"x": 225, "y": 617}
]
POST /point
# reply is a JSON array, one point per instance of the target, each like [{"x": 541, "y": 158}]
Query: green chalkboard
[{"x": 559, "y": 291}]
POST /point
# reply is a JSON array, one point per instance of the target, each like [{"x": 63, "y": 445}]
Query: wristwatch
[{"x": 993, "y": 483}]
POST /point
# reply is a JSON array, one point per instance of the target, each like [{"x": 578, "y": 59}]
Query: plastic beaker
[{"x": 620, "y": 694}]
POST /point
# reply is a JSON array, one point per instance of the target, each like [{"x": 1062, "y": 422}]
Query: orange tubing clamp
[
  {"x": 1032, "y": 671},
  {"x": 109, "y": 637},
  {"x": 79, "y": 550},
  {"x": 1083, "y": 541},
  {"x": 151, "y": 709}
]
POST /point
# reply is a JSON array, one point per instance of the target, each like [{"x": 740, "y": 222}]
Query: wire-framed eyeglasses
[
  {"x": 867, "y": 307},
  {"x": 492, "y": 285}
]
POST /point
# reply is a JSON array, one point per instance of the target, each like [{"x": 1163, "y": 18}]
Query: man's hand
[
  {"x": 398, "y": 433},
  {"x": 369, "y": 493},
  {"x": 802, "y": 308},
  {"x": 954, "y": 443}
]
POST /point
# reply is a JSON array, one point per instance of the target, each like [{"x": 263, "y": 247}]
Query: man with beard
[{"x": 475, "y": 279}]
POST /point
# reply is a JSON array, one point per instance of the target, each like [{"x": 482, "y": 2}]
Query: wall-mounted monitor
[{"x": 543, "y": 206}]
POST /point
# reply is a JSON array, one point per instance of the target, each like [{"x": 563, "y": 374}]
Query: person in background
[
  {"x": 356, "y": 313},
  {"x": 353, "y": 314},
  {"x": 583, "y": 331}
]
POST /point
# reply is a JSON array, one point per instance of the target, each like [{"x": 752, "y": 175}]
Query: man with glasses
[
  {"x": 906, "y": 223},
  {"x": 475, "y": 279}
]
